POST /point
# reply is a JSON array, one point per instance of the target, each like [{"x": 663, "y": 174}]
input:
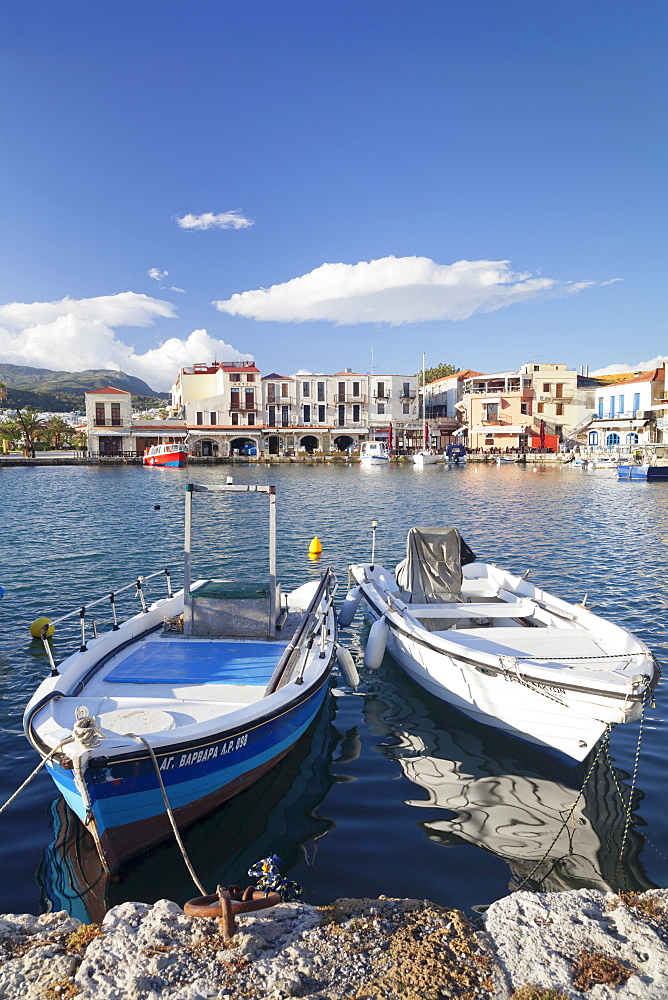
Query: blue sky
[{"x": 345, "y": 157}]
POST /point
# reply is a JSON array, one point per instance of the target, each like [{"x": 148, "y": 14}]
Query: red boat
[{"x": 173, "y": 453}]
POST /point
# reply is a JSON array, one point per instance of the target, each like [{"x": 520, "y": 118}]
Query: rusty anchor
[{"x": 226, "y": 903}]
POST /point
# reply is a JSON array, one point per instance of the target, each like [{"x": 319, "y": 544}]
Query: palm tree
[
  {"x": 55, "y": 430},
  {"x": 10, "y": 431},
  {"x": 3, "y": 391},
  {"x": 32, "y": 427}
]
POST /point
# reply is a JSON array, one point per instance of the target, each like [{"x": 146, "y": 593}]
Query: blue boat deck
[{"x": 191, "y": 661}]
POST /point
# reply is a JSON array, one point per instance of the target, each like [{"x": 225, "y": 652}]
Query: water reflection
[
  {"x": 485, "y": 790},
  {"x": 277, "y": 815}
]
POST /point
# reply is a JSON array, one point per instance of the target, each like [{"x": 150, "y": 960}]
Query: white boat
[
  {"x": 184, "y": 705},
  {"x": 422, "y": 458},
  {"x": 499, "y": 649},
  {"x": 425, "y": 456},
  {"x": 374, "y": 453},
  {"x": 455, "y": 454},
  {"x": 505, "y": 460}
]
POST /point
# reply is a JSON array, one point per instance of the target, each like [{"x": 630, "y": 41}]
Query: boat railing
[
  {"x": 82, "y": 611},
  {"x": 313, "y": 627}
]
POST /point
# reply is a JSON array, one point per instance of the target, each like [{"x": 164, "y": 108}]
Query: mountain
[{"x": 61, "y": 391}]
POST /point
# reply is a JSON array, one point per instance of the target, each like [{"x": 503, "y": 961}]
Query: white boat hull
[
  {"x": 531, "y": 701},
  {"x": 422, "y": 458}
]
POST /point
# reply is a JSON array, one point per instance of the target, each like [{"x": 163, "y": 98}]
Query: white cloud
[
  {"x": 395, "y": 290},
  {"x": 224, "y": 220},
  {"x": 612, "y": 281},
  {"x": 642, "y": 366},
  {"x": 173, "y": 288},
  {"x": 156, "y": 274},
  {"x": 74, "y": 335}
]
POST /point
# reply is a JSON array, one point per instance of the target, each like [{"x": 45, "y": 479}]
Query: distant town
[{"x": 227, "y": 409}]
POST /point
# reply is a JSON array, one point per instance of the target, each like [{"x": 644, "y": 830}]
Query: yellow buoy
[
  {"x": 38, "y": 625},
  {"x": 315, "y": 548}
]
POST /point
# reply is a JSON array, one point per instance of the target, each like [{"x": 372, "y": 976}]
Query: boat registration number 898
[{"x": 208, "y": 753}]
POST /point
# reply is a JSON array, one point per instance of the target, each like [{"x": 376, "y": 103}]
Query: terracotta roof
[
  {"x": 107, "y": 390},
  {"x": 275, "y": 375},
  {"x": 349, "y": 374},
  {"x": 626, "y": 378}
]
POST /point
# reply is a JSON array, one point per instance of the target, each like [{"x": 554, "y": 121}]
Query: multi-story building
[
  {"x": 537, "y": 406},
  {"x": 231, "y": 408},
  {"x": 629, "y": 412},
  {"x": 442, "y": 399},
  {"x": 113, "y": 432}
]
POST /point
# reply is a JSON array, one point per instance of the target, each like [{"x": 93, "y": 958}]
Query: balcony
[
  {"x": 407, "y": 394},
  {"x": 351, "y": 397},
  {"x": 113, "y": 422}
]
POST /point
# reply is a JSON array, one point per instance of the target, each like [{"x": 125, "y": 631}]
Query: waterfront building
[
  {"x": 629, "y": 412},
  {"x": 443, "y": 401},
  {"x": 113, "y": 432},
  {"x": 538, "y": 406}
]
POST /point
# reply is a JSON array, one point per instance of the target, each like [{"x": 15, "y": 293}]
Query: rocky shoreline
[{"x": 527, "y": 946}]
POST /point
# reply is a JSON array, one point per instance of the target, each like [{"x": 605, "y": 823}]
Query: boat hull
[
  {"x": 421, "y": 459},
  {"x": 174, "y": 460},
  {"x": 643, "y": 473},
  {"x": 125, "y": 811}
]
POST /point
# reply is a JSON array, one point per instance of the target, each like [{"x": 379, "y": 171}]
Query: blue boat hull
[
  {"x": 644, "y": 473},
  {"x": 127, "y": 812}
]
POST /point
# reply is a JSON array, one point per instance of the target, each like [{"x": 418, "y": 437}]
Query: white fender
[
  {"x": 350, "y": 606},
  {"x": 347, "y": 666},
  {"x": 376, "y": 643}
]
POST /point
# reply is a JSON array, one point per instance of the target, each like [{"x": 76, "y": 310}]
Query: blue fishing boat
[
  {"x": 153, "y": 723},
  {"x": 643, "y": 473}
]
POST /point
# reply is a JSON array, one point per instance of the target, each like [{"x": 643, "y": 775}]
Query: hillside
[{"x": 62, "y": 391}]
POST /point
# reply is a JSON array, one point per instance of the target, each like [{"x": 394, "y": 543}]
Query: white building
[
  {"x": 629, "y": 412},
  {"x": 114, "y": 433}
]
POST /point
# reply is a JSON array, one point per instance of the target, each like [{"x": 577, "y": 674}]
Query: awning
[
  {"x": 461, "y": 430},
  {"x": 496, "y": 429}
]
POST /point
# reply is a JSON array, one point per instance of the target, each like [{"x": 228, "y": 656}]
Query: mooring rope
[
  {"x": 41, "y": 764},
  {"x": 634, "y": 777},
  {"x": 569, "y": 815},
  {"x": 170, "y": 814}
]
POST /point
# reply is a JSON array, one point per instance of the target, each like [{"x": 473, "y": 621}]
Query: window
[
  {"x": 636, "y": 400},
  {"x": 612, "y": 406},
  {"x": 621, "y": 404},
  {"x": 546, "y": 387},
  {"x": 285, "y": 389},
  {"x": 271, "y": 392},
  {"x": 115, "y": 414},
  {"x": 251, "y": 419},
  {"x": 356, "y": 389},
  {"x": 381, "y": 408},
  {"x": 306, "y": 389},
  {"x": 536, "y": 368},
  {"x": 593, "y": 437},
  {"x": 381, "y": 390},
  {"x": 560, "y": 409},
  {"x": 321, "y": 414},
  {"x": 285, "y": 416},
  {"x": 235, "y": 377},
  {"x": 235, "y": 418},
  {"x": 406, "y": 389},
  {"x": 559, "y": 390},
  {"x": 250, "y": 399},
  {"x": 342, "y": 392},
  {"x": 307, "y": 413},
  {"x": 272, "y": 416},
  {"x": 321, "y": 392},
  {"x": 406, "y": 408},
  {"x": 250, "y": 377},
  {"x": 632, "y": 437},
  {"x": 356, "y": 413},
  {"x": 492, "y": 411},
  {"x": 99, "y": 414},
  {"x": 489, "y": 440},
  {"x": 524, "y": 408},
  {"x": 612, "y": 439},
  {"x": 540, "y": 408},
  {"x": 600, "y": 407},
  {"x": 234, "y": 399},
  {"x": 213, "y": 417},
  {"x": 342, "y": 415},
  {"x": 199, "y": 419}
]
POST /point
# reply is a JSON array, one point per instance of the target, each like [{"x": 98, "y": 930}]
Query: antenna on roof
[{"x": 372, "y": 359}]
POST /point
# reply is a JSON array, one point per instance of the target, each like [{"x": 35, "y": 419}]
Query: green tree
[
  {"x": 439, "y": 371},
  {"x": 3, "y": 391},
  {"x": 32, "y": 427},
  {"x": 56, "y": 430},
  {"x": 10, "y": 431}
]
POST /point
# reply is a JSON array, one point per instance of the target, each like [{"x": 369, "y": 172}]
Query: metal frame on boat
[
  {"x": 499, "y": 649},
  {"x": 185, "y": 704}
]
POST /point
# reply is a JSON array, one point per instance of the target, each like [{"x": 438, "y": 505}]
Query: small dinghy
[
  {"x": 184, "y": 705},
  {"x": 499, "y": 649}
]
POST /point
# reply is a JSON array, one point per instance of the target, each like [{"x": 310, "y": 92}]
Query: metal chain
[
  {"x": 634, "y": 776},
  {"x": 569, "y": 815}
]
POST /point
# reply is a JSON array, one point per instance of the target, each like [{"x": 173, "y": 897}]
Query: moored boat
[
  {"x": 374, "y": 453},
  {"x": 171, "y": 454},
  {"x": 182, "y": 706},
  {"x": 500, "y": 649}
]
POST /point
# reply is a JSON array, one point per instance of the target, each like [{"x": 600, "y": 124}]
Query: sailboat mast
[{"x": 424, "y": 407}]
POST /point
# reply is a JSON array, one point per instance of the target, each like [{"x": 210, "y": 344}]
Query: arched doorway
[
  {"x": 243, "y": 446},
  {"x": 343, "y": 442},
  {"x": 208, "y": 448},
  {"x": 309, "y": 443}
]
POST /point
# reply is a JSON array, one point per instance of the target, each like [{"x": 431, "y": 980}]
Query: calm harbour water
[{"x": 391, "y": 792}]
